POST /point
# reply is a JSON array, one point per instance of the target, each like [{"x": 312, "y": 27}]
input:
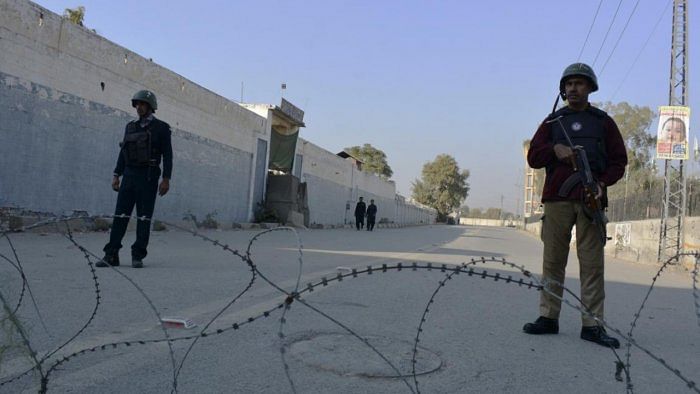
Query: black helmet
[
  {"x": 582, "y": 70},
  {"x": 147, "y": 97}
]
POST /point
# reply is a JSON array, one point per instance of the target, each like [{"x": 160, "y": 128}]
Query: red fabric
[{"x": 541, "y": 154}]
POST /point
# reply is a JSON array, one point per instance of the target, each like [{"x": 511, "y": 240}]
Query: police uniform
[
  {"x": 146, "y": 142},
  {"x": 562, "y": 195}
]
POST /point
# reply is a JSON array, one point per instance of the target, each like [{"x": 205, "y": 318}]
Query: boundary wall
[
  {"x": 335, "y": 185},
  {"x": 65, "y": 99},
  {"x": 638, "y": 241}
]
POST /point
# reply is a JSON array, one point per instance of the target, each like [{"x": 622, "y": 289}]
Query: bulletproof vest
[
  {"x": 136, "y": 146},
  {"x": 585, "y": 128}
]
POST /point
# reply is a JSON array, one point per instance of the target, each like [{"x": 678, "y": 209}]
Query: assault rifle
[{"x": 593, "y": 207}]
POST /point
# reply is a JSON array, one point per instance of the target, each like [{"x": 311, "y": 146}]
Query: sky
[{"x": 415, "y": 79}]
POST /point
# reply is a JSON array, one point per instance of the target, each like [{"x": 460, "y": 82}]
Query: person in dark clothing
[
  {"x": 371, "y": 215},
  {"x": 360, "y": 212},
  {"x": 597, "y": 134},
  {"x": 146, "y": 141}
]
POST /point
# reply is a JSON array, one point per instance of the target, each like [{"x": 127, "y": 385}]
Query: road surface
[{"x": 471, "y": 340}]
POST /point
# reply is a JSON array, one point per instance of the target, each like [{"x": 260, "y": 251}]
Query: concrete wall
[
  {"x": 485, "y": 222},
  {"x": 64, "y": 100},
  {"x": 335, "y": 183},
  {"x": 638, "y": 241},
  {"x": 65, "y": 97}
]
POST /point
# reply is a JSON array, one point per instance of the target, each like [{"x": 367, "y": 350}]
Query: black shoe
[
  {"x": 598, "y": 335},
  {"x": 543, "y": 325},
  {"x": 136, "y": 262},
  {"x": 108, "y": 260}
]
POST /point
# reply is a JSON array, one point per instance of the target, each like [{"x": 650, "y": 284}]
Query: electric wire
[
  {"x": 612, "y": 22},
  {"x": 641, "y": 50},
  {"x": 629, "y": 18},
  {"x": 590, "y": 29}
]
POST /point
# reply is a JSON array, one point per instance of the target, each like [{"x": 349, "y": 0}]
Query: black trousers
[
  {"x": 370, "y": 222},
  {"x": 359, "y": 221},
  {"x": 140, "y": 190}
]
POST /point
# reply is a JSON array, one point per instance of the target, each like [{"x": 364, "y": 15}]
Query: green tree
[
  {"x": 634, "y": 122},
  {"x": 442, "y": 186},
  {"x": 493, "y": 213},
  {"x": 475, "y": 213},
  {"x": 373, "y": 160},
  {"x": 75, "y": 15}
]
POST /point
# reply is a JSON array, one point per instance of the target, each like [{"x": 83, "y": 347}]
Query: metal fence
[{"x": 648, "y": 205}]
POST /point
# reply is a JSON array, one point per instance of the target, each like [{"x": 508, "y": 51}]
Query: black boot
[
  {"x": 598, "y": 335},
  {"x": 136, "y": 262},
  {"x": 108, "y": 260},
  {"x": 543, "y": 325}
]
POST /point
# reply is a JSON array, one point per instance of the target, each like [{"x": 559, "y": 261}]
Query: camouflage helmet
[
  {"x": 581, "y": 70},
  {"x": 147, "y": 97}
]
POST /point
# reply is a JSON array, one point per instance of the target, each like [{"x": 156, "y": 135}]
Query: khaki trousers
[{"x": 559, "y": 219}]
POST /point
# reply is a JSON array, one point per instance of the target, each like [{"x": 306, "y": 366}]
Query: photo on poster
[{"x": 672, "y": 140}]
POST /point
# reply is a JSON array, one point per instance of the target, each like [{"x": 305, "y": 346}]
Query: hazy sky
[{"x": 414, "y": 78}]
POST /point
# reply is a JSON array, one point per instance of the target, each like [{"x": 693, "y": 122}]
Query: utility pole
[
  {"x": 674, "y": 199},
  {"x": 518, "y": 208},
  {"x": 500, "y": 213}
]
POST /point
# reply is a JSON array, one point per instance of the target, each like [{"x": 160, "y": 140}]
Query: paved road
[{"x": 471, "y": 340}]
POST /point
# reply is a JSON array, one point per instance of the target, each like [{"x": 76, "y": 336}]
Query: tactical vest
[
  {"x": 585, "y": 128},
  {"x": 136, "y": 146}
]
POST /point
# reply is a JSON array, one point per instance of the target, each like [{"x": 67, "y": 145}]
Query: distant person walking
[
  {"x": 371, "y": 215},
  {"x": 360, "y": 212},
  {"x": 146, "y": 141}
]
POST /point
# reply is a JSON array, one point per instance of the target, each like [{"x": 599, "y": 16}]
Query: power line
[
  {"x": 607, "y": 32},
  {"x": 589, "y": 30},
  {"x": 641, "y": 50},
  {"x": 620, "y": 36}
]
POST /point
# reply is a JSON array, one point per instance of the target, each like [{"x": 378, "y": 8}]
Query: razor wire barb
[{"x": 296, "y": 295}]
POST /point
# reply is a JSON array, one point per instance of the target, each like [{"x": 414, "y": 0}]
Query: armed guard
[
  {"x": 593, "y": 131},
  {"x": 146, "y": 141}
]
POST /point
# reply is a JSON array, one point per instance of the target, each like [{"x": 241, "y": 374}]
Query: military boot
[
  {"x": 598, "y": 335},
  {"x": 136, "y": 262},
  {"x": 543, "y": 325},
  {"x": 108, "y": 260}
]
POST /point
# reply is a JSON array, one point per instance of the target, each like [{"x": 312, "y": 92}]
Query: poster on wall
[
  {"x": 672, "y": 140},
  {"x": 623, "y": 234}
]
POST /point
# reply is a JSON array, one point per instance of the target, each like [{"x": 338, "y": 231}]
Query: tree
[
  {"x": 442, "y": 186},
  {"x": 75, "y": 15},
  {"x": 475, "y": 213},
  {"x": 634, "y": 122},
  {"x": 373, "y": 160}
]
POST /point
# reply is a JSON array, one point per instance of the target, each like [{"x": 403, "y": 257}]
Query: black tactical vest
[
  {"x": 137, "y": 147},
  {"x": 585, "y": 128}
]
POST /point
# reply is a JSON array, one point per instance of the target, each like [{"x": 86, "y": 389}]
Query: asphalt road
[{"x": 471, "y": 340}]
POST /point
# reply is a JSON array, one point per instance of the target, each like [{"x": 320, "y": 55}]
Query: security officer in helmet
[
  {"x": 595, "y": 131},
  {"x": 146, "y": 141}
]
